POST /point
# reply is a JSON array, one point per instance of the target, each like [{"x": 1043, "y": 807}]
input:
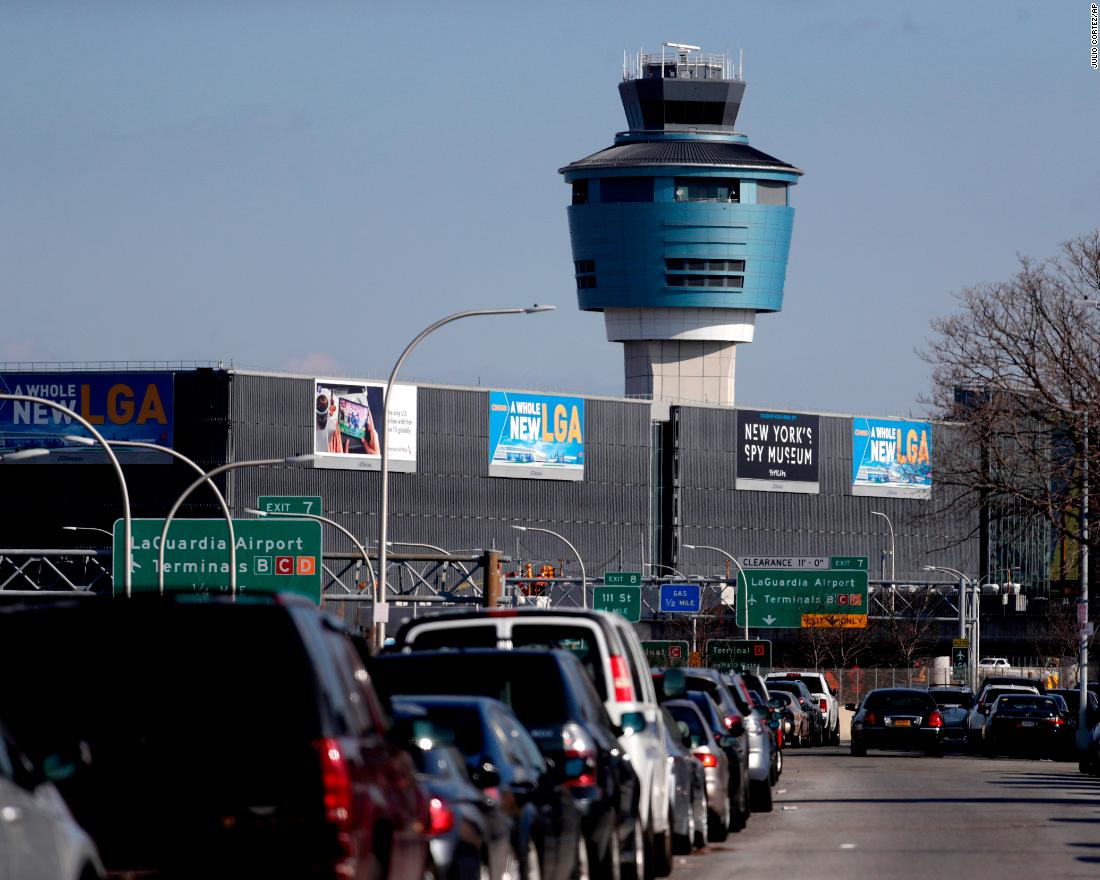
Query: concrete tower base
[
  {"x": 682, "y": 354},
  {"x": 680, "y": 371}
]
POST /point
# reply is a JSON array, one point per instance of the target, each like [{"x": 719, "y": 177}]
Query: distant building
[{"x": 680, "y": 230}]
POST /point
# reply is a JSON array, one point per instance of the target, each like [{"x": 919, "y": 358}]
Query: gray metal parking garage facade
[{"x": 653, "y": 479}]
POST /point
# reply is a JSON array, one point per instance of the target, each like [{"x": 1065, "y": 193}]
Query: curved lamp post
[
  {"x": 179, "y": 456},
  {"x": 206, "y": 476},
  {"x": 383, "y": 506},
  {"x": 732, "y": 559},
  {"x": 25, "y": 454},
  {"x": 893, "y": 573},
  {"x": 330, "y": 522},
  {"x": 128, "y": 569},
  {"x": 584, "y": 576}
]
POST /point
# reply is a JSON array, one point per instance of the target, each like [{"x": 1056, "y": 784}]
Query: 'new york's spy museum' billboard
[
  {"x": 891, "y": 458},
  {"x": 777, "y": 451},
  {"x": 347, "y": 425},
  {"x": 135, "y": 406},
  {"x": 538, "y": 436}
]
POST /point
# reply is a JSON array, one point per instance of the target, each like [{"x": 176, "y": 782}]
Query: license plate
[
  {"x": 901, "y": 722},
  {"x": 1027, "y": 723}
]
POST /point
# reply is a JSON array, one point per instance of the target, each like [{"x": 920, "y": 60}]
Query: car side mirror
[
  {"x": 485, "y": 776},
  {"x": 632, "y": 722},
  {"x": 774, "y": 724},
  {"x": 833, "y": 691},
  {"x": 736, "y": 726},
  {"x": 674, "y": 683},
  {"x": 851, "y": 707}
]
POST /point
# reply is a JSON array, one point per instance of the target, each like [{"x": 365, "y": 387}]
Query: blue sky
[{"x": 304, "y": 186}]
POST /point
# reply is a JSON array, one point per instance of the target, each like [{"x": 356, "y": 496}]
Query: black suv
[{"x": 198, "y": 737}]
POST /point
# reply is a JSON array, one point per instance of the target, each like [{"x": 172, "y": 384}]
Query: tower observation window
[
  {"x": 735, "y": 282},
  {"x": 586, "y": 274},
  {"x": 707, "y": 189},
  {"x": 677, "y": 264},
  {"x": 626, "y": 189},
  {"x": 580, "y": 192}
]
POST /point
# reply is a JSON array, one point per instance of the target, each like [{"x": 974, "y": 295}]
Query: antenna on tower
[{"x": 741, "y": 64}]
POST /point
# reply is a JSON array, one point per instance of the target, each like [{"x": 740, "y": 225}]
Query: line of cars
[
  {"x": 187, "y": 736},
  {"x": 1008, "y": 715}
]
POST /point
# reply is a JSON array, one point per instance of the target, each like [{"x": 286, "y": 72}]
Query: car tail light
[
  {"x": 335, "y": 783},
  {"x": 580, "y": 753},
  {"x": 779, "y": 737},
  {"x": 729, "y": 720},
  {"x": 707, "y": 759},
  {"x": 824, "y": 706},
  {"x": 935, "y": 720},
  {"x": 620, "y": 680},
  {"x": 502, "y": 612},
  {"x": 1057, "y": 722},
  {"x": 869, "y": 718},
  {"x": 441, "y": 817}
]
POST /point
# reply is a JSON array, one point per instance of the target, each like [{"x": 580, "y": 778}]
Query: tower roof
[{"x": 681, "y": 152}]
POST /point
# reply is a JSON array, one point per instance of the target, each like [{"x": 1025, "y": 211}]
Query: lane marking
[
  {"x": 788, "y": 807},
  {"x": 847, "y": 846}
]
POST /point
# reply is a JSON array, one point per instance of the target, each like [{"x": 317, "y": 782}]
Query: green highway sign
[
  {"x": 290, "y": 504},
  {"x": 273, "y": 556},
  {"x": 845, "y": 563},
  {"x": 666, "y": 653},
  {"x": 624, "y": 601},
  {"x": 623, "y": 578},
  {"x": 726, "y": 654},
  {"x": 794, "y": 599}
]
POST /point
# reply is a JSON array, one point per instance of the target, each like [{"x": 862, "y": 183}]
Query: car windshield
[
  {"x": 531, "y": 684},
  {"x": 1022, "y": 702},
  {"x": 458, "y": 726},
  {"x": 697, "y": 733},
  {"x": 580, "y": 641},
  {"x": 952, "y": 698},
  {"x": 898, "y": 702}
]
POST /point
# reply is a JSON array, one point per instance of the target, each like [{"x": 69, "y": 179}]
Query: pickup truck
[{"x": 825, "y": 697}]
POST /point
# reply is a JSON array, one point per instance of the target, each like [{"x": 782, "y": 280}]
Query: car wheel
[
  {"x": 532, "y": 870},
  {"x": 701, "y": 821},
  {"x": 660, "y": 860},
  {"x": 512, "y": 867},
  {"x": 761, "y": 793},
  {"x": 778, "y": 764},
  {"x": 580, "y": 870},
  {"x": 739, "y": 814},
  {"x": 718, "y": 825},
  {"x": 859, "y": 750},
  {"x": 682, "y": 844},
  {"x": 834, "y": 738},
  {"x": 635, "y": 868}
]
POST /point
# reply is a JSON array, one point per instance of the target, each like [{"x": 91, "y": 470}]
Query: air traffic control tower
[{"x": 680, "y": 229}]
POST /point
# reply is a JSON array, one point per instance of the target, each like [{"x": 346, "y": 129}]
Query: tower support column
[{"x": 680, "y": 370}]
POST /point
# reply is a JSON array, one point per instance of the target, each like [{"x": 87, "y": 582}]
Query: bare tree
[{"x": 1018, "y": 367}]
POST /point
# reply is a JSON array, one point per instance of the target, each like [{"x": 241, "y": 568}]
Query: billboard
[
  {"x": 891, "y": 458},
  {"x": 540, "y": 436},
  {"x": 778, "y": 451},
  {"x": 347, "y": 419},
  {"x": 136, "y": 406}
]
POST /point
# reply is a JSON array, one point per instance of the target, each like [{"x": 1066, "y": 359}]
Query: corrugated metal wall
[
  {"x": 451, "y": 501},
  {"x": 833, "y": 523}
]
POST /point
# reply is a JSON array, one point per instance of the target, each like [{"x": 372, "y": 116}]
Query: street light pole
[
  {"x": 669, "y": 567},
  {"x": 383, "y": 506},
  {"x": 128, "y": 569},
  {"x": 206, "y": 477},
  {"x": 179, "y": 456},
  {"x": 893, "y": 572},
  {"x": 359, "y": 544},
  {"x": 584, "y": 576},
  {"x": 741, "y": 572},
  {"x": 1083, "y": 732}
]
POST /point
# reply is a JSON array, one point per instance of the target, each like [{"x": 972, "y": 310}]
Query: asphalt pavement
[{"x": 897, "y": 815}]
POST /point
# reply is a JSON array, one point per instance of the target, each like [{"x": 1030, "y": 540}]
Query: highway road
[{"x": 894, "y": 815}]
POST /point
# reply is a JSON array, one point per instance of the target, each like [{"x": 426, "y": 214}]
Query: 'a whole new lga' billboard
[
  {"x": 891, "y": 458},
  {"x": 128, "y": 406},
  {"x": 538, "y": 436}
]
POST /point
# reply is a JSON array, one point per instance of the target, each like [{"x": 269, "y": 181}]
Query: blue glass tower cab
[{"x": 680, "y": 230}]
